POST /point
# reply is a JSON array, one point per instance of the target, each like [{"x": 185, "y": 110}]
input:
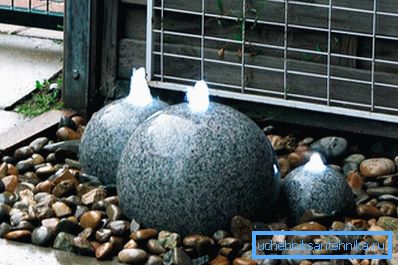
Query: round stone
[
  {"x": 107, "y": 133},
  {"x": 317, "y": 188},
  {"x": 199, "y": 168},
  {"x": 41, "y": 236},
  {"x": 377, "y": 167},
  {"x": 331, "y": 147}
]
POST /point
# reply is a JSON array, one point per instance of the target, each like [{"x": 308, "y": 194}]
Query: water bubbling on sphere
[
  {"x": 315, "y": 164},
  {"x": 140, "y": 95},
  {"x": 198, "y": 97},
  {"x": 110, "y": 128}
]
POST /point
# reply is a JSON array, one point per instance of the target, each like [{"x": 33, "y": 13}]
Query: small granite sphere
[
  {"x": 191, "y": 172},
  {"x": 108, "y": 132},
  {"x": 315, "y": 186}
]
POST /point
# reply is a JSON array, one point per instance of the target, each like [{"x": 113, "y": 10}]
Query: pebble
[
  {"x": 8, "y": 198},
  {"x": 61, "y": 209},
  {"x": 169, "y": 240},
  {"x": 90, "y": 219},
  {"x": 388, "y": 209},
  {"x": 219, "y": 260},
  {"x": 119, "y": 227},
  {"x": 18, "y": 235},
  {"x": 355, "y": 180},
  {"x": 41, "y": 236},
  {"x": 241, "y": 228},
  {"x": 46, "y": 171},
  {"x": 113, "y": 212},
  {"x": 4, "y": 212},
  {"x": 67, "y": 226},
  {"x": 310, "y": 226},
  {"x": 144, "y": 234},
  {"x": 243, "y": 261},
  {"x": 93, "y": 196},
  {"x": 132, "y": 256},
  {"x": 368, "y": 211},
  {"x": 12, "y": 170},
  {"x": 25, "y": 165},
  {"x": 134, "y": 226},
  {"x": 38, "y": 144},
  {"x": 379, "y": 191},
  {"x": 306, "y": 141},
  {"x": 45, "y": 186},
  {"x": 331, "y": 147},
  {"x": 296, "y": 159},
  {"x": 102, "y": 235},
  {"x": 178, "y": 257},
  {"x": 2, "y": 187},
  {"x": 73, "y": 163},
  {"x": 388, "y": 223},
  {"x": 80, "y": 210},
  {"x": 38, "y": 159},
  {"x": 23, "y": 153},
  {"x": 154, "y": 260},
  {"x": 104, "y": 251},
  {"x": 154, "y": 247},
  {"x": 10, "y": 183},
  {"x": 378, "y": 238},
  {"x": 82, "y": 246},
  {"x": 377, "y": 167},
  {"x": 349, "y": 167},
  {"x": 131, "y": 244},
  {"x": 4, "y": 229},
  {"x": 65, "y": 133},
  {"x": 64, "y": 188},
  {"x": 78, "y": 120},
  {"x": 64, "y": 242},
  {"x": 284, "y": 166},
  {"x": 277, "y": 142},
  {"x": 67, "y": 122},
  {"x": 51, "y": 158},
  {"x": 30, "y": 177},
  {"x": 50, "y": 223},
  {"x": 3, "y": 170},
  {"x": 355, "y": 158},
  {"x": 230, "y": 242}
]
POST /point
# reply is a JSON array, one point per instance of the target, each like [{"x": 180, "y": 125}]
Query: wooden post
[
  {"x": 110, "y": 39},
  {"x": 80, "y": 55}
]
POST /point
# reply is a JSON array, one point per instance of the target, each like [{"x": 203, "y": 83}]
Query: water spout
[
  {"x": 140, "y": 94},
  {"x": 198, "y": 97},
  {"x": 315, "y": 163}
]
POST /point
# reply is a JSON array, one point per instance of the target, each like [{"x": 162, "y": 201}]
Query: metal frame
[
  {"x": 30, "y": 16},
  {"x": 281, "y": 98}
]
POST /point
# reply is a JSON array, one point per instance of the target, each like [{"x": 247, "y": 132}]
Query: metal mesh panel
[
  {"x": 335, "y": 56},
  {"x": 53, "y": 7}
]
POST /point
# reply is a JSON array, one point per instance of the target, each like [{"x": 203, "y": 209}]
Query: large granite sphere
[
  {"x": 107, "y": 134},
  {"x": 192, "y": 172},
  {"x": 324, "y": 190}
]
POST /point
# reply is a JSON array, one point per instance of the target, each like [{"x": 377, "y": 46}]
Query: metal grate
[
  {"x": 35, "y": 13},
  {"x": 334, "y": 56}
]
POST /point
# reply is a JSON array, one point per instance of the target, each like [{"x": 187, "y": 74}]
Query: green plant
[{"x": 41, "y": 100}]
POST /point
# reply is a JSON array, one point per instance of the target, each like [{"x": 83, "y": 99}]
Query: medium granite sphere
[
  {"x": 191, "y": 172},
  {"x": 320, "y": 188},
  {"x": 107, "y": 134}
]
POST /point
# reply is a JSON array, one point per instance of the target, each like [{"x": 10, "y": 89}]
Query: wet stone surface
[{"x": 214, "y": 162}]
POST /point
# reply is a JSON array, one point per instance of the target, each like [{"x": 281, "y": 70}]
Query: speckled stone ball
[
  {"x": 192, "y": 172},
  {"x": 325, "y": 191},
  {"x": 107, "y": 134}
]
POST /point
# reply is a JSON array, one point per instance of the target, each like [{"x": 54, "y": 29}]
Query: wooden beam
[
  {"x": 109, "y": 48},
  {"x": 80, "y": 55}
]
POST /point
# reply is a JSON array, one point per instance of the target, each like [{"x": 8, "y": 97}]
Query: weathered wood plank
[
  {"x": 109, "y": 47},
  {"x": 79, "y": 54}
]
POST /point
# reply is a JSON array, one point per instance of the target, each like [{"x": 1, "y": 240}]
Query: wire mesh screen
[
  {"x": 338, "y": 56},
  {"x": 53, "y": 7}
]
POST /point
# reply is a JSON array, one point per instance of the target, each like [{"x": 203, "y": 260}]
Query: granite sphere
[
  {"x": 191, "y": 172},
  {"x": 107, "y": 134},
  {"x": 321, "y": 189}
]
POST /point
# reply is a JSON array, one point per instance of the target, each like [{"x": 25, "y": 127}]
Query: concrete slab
[
  {"x": 14, "y": 253},
  {"x": 42, "y": 33},
  {"x": 10, "y": 29},
  {"x": 24, "y": 60},
  {"x": 9, "y": 120}
]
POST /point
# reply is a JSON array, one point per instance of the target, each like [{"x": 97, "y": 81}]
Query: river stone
[
  {"x": 377, "y": 167},
  {"x": 107, "y": 133},
  {"x": 324, "y": 190},
  {"x": 41, "y": 236},
  {"x": 331, "y": 147},
  {"x": 198, "y": 168}
]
